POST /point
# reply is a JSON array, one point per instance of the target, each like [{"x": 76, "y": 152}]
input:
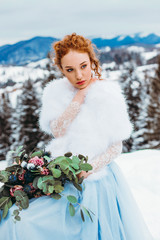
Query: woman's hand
[
  {"x": 80, "y": 95},
  {"x": 83, "y": 91},
  {"x": 83, "y": 174}
]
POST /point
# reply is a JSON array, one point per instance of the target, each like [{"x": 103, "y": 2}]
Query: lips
[{"x": 81, "y": 82}]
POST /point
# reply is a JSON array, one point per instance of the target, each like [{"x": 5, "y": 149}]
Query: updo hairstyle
[{"x": 78, "y": 43}]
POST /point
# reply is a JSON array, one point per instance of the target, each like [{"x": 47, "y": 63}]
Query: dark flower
[
  {"x": 12, "y": 178},
  {"x": 28, "y": 176}
]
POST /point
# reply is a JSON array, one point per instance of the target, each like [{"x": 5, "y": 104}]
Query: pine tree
[
  {"x": 152, "y": 135},
  {"x": 53, "y": 73},
  {"x": 28, "y": 132},
  {"x": 132, "y": 89},
  {"x": 5, "y": 125}
]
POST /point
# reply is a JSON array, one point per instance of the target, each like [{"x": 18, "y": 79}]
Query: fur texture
[{"x": 102, "y": 121}]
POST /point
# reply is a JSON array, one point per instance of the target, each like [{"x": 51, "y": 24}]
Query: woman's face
[{"x": 76, "y": 66}]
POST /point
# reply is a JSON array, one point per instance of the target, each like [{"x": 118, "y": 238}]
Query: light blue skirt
[{"x": 106, "y": 193}]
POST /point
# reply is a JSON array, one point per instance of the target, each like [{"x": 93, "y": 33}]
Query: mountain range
[{"x": 38, "y": 47}]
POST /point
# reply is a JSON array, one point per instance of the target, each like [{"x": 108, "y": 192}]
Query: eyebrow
[{"x": 71, "y": 66}]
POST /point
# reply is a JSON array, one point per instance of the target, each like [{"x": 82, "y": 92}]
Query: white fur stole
[{"x": 102, "y": 120}]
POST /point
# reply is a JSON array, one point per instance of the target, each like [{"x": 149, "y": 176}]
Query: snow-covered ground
[{"x": 142, "y": 171}]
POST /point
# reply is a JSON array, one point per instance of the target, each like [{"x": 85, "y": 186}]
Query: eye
[
  {"x": 85, "y": 65},
  {"x": 69, "y": 70}
]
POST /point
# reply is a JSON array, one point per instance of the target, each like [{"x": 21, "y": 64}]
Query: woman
[{"x": 87, "y": 115}]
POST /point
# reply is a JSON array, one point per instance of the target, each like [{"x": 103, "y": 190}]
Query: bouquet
[{"x": 36, "y": 174}]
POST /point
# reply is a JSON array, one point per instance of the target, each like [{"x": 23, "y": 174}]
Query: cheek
[{"x": 88, "y": 71}]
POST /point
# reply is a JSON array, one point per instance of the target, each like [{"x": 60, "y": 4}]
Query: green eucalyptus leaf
[
  {"x": 81, "y": 180},
  {"x": 72, "y": 170},
  {"x": 79, "y": 171},
  {"x": 13, "y": 168},
  {"x": 17, "y": 160},
  {"x": 59, "y": 159},
  {"x": 20, "y": 153},
  {"x": 69, "y": 176},
  {"x": 10, "y": 203},
  {"x": 85, "y": 167},
  {"x": 68, "y": 154},
  {"x": 66, "y": 171},
  {"x": 47, "y": 158},
  {"x": 40, "y": 182},
  {"x": 56, "y": 196},
  {"x": 82, "y": 215},
  {"x": 35, "y": 182},
  {"x": 56, "y": 172},
  {"x": 18, "y": 198},
  {"x": 18, "y": 218},
  {"x": 5, "y": 192},
  {"x": 4, "y": 176},
  {"x": 75, "y": 159},
  {"x": 75, "y": 165},
  {"x": 72, "y": 199},
  {"x": 5, "y": 210},
  {"x": 90, "y": 216},
  {"x": 51, "y": 189},
  {"x": 57, "y": 182},
  {"x": 64, "y": 164},
  {"x": 43, "y": 180},
  {"x": 38, "y": 154},
  {"x": 3, "y": 201},
  {"x": 81, "y": 156},
  {"x": 77, "y": 186},
  {"x": 16, "y": 212},
  {"x": 69, "y": 160},
  {"x": 71, "y": 210},
  {"x": 45, "y": 188},
  {"x": 87, "y": 213},
  {"x": 22, "y": 198},
  {"x": 58, "y": 188},
  {"x": 51, "y": 164},
  {"x": 2, "y": 188}
]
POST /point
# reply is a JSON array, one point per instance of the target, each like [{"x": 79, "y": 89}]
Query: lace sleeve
[
  {"x": 60, "y": 125},
  {"x": 101, "y": 161}
]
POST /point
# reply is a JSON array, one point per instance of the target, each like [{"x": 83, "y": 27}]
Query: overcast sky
[{"x": 24, "y": 19}]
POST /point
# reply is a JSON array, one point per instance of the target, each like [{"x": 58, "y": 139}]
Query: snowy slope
[{"x": 142, "y": 172}]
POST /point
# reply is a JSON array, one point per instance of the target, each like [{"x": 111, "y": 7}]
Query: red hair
[{"x": 78, "y": 43}]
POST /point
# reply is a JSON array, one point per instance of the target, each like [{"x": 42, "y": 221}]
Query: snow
[
  {"x": 149, "y": 55},
  {"x": 20, "y": 74},
  {"x": 141, "y": 170},
  {"x": 39, "y": 64},
  {"x": 135, "y": 49},
  {"x": 121, "y": 37},
  {"x": 110, "y": 65},
  {"x": 107, "y": 49}
]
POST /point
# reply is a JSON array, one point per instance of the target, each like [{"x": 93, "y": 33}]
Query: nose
[{"x": 78, "y": 75}]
